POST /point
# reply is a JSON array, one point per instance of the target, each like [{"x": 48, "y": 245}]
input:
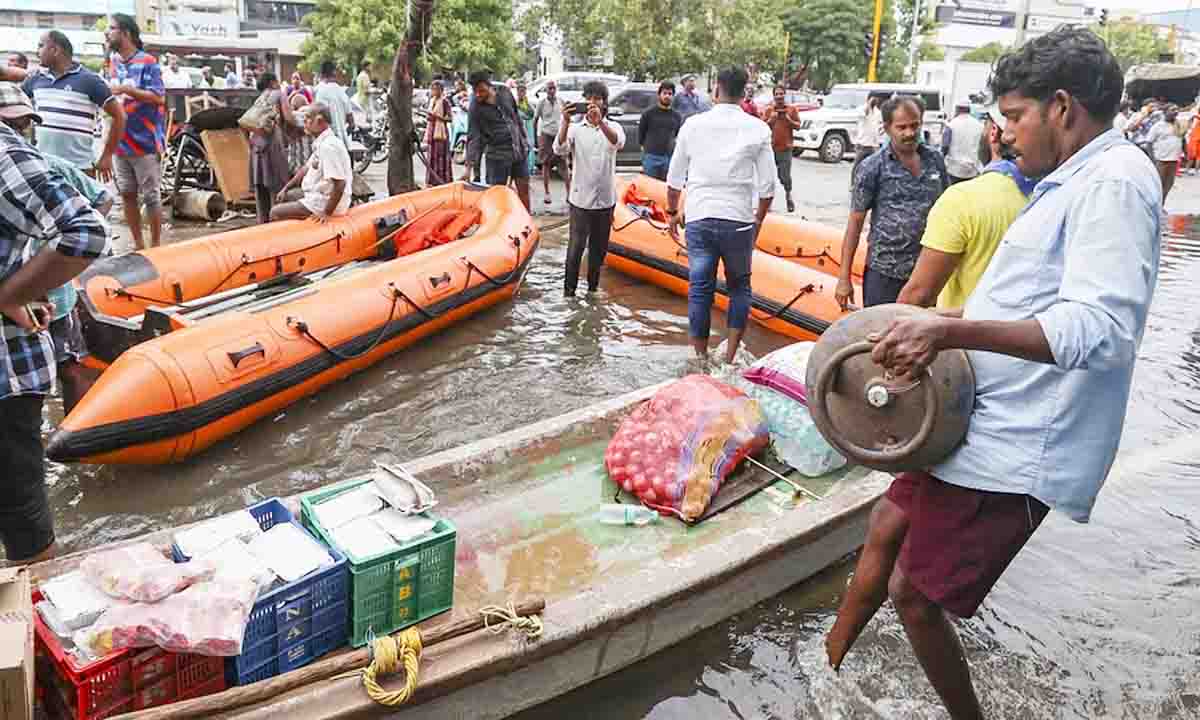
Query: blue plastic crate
[{"x": 291, "y": 625}]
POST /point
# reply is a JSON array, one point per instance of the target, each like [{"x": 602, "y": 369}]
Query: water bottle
[{"x": 623, "y": 514}]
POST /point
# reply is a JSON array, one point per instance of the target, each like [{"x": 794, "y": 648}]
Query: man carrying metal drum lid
[{"x": 1052, "y": 332}]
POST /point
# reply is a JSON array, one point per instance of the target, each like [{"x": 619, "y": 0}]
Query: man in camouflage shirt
[{"x": 898, "y": 186}]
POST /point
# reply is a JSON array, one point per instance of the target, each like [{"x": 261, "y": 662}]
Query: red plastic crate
[{"x": 122, "y": 681}]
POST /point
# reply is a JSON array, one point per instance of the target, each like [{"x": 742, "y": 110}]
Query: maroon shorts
[{"x": 960, "y": 540}]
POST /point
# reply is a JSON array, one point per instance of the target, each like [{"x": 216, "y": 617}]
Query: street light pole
[
  {"x": 1022, "y": 21},
  {"x": 912, "y": 40}
]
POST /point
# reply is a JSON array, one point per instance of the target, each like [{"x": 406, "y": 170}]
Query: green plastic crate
[{"x": 392, "y": 590}]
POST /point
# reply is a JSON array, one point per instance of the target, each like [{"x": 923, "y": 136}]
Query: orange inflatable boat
[
  {"x": 115, "y": 292},
  {"x": 792, "y": 290},
  {"x": 206, "y": 369}
]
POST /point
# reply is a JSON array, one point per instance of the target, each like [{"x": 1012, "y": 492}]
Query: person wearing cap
[
  {"x": 17, "y": 112},
  {"x": 689, "y": 102},
  {"x": 69, "y": 97},
  {"x": 967, "y": 223},
  {"x": 72, "y": 235},
  {"x": 960, "y": 144}
]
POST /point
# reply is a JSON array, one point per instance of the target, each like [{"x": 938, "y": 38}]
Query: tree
[
  {"x": 400, "y": 175},
  {"x": 660, "y": 38},
  {"x": 1132, "y": 42},
  {"x": 464, "y": 34},
  {"x": 989, "y": 53},
  {"x": 927, "y": 50},
  {"x": 827, "y": 36}
]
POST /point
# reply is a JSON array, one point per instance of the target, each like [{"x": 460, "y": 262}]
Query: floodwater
[{"x": 1090, "y": 621}]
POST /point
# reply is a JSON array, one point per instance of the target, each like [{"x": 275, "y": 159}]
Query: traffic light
[
  {"x": 868, "y": 45},
  {"x": 1103, "y": 17}
]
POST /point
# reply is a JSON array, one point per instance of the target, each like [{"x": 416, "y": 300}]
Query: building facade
[{"x": 964, "y": 25}]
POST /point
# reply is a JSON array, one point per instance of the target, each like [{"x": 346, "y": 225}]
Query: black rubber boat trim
[
  {"x": 801, "y": 320},
  {"x": 71, "y": 445}
]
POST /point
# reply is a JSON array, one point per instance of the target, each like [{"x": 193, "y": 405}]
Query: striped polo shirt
[
  {"x": 68, "y": 105},
  {"x": 145, "y": 123}
]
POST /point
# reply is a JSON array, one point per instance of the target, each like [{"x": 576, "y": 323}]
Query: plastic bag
[
  {"x": 674, "y": 450},
  {"x": 141, "y": 573},
  {"x": 208, "y": 618},
  {"x": 794, "y": 435},
  {"x": 783, "y": 370}
]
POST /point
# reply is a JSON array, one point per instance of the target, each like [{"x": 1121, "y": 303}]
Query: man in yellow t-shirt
[{"x": 966, "y": 224}]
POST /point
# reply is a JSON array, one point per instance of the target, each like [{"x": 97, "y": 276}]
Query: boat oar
[
  {"x": 345, "y": 665},
  {"x": 800, "y": 490}
]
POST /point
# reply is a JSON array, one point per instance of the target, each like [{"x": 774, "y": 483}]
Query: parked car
[
  {"x": 830, "y": 130},
  {"x": 570, "y": 84},
  {"x": 795, "y": 99}
]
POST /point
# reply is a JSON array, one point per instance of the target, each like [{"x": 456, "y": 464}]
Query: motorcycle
[{"x": 370, "y": 140}]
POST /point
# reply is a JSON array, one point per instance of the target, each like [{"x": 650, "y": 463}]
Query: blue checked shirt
[
  {"x": 1082, "y": 260},
  {"x": 37, "y": 209}
]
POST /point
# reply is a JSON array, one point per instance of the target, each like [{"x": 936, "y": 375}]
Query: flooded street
[{"x": 1091, "y": 621}]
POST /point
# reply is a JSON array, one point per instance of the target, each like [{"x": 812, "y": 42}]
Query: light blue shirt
[{"x": 1081, "y": 259}]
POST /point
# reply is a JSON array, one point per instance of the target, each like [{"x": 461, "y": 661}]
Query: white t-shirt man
[
  {"x": 962, "y": 161},
  {"x": 870, "y": 127},
  {"x": 593, "y": 182},
  {"x": 330, "y": 161},
  {"x": 175, "y": 79},
  {"x": 1167, "y": 142}
]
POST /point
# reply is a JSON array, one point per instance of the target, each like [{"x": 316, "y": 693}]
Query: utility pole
[
  {"x": 871, "y": 75},
  {"x": 1022, "y": 21},
  {"x": 912, "y": 40}
]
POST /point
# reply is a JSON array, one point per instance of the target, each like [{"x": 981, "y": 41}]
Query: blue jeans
[
  {"x": 732, "y": 243},
  {"x": 656, "y": 166}
]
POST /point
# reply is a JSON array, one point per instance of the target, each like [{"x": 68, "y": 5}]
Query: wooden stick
[
  {"x": 318, "y": 671},
  {"x": 800, "y": 489}
]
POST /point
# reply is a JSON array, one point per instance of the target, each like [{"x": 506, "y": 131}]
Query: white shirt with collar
[
  {"x": 175, "y": 79},
  {"x": 329, "y": 161},
  {"x": 724, "y": 159},
  {"x": 593, "y": 179}
]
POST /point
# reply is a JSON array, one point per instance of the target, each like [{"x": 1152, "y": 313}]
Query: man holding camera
[
  {"x": 782, "y": 121},
  {"x": 592, "y": 144}
]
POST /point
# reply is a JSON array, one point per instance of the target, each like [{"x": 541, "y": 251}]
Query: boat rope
[
  {"x": 302, "y": 328},
  {"x": 507, "y": 617},
  {"x": 661, "y": 228},
  {"x": 246, "y": 261},
  {"x": 779, "y": 313},
  {"x": 388, "y": 654},
  {"x": 391, "y": 653}
]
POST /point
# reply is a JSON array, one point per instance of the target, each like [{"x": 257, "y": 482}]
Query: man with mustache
[
  {"x": 967, "y": 223},
  {"x": 898, "y": 186}
]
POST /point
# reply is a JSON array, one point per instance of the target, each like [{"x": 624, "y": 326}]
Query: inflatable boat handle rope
[
  {"x": 246, "y": 262},
  {"x": 390, "y": 653}
]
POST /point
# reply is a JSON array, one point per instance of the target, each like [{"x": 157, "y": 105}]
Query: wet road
[{"x": 1090, "y": 621}]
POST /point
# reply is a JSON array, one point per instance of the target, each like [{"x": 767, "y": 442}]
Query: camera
[{"x": 579, "y": 108}]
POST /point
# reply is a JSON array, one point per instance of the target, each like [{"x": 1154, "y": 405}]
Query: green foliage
[
  {"x": 101, "y": 24},
  {"x": 827, "y": 35},
  {"x": 989, "y": 53},
  {"x": 928, "y": 51},
  {"x": 661, "y": 38},
  {"x": 1132, "y": 42},
  {"x": 466, "y": 34}
]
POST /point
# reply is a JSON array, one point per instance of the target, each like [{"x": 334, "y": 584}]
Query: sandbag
[
  {"x": 783, "y": 370},
  {"x": 675, "y": 449}
]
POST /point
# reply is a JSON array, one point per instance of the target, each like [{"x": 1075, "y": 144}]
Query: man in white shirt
[
  {"x": 334, "y": 96},
  {"x": 325, "y": 178},
  {"x": 592, "y": 145},
  {"x": 961, "y": 144},
  {"x": 173, "y": 77},
  {"x": 870, "y": 133},
  {"x": 724, "y": 159},
  {"x": 545, "y": 129}
]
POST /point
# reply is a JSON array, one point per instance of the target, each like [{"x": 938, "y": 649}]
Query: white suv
[{"x": 831, "y": 131}]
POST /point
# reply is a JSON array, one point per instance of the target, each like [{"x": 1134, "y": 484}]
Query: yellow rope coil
[
  {"x": 389, "y": 652},
  {"x": 507, "y": 617}
]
